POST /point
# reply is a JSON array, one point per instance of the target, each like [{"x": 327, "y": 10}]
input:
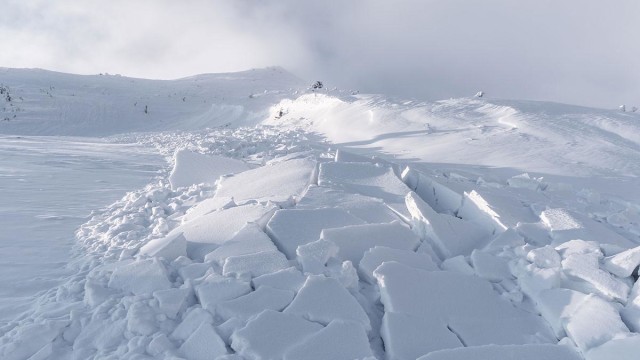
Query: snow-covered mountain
[{"x": 298, "y": 224}]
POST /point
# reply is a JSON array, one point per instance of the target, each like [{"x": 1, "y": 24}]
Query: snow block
[
  {"x": 366, "y": 179},
  {"x": 407, "y": 337},
  {"x": 593, "y": 323},
  {"x": 545, "y": 257},
  {"x": 251, "y": 265},
  {"x": 323, "y": 299},
  {"x": 506, "y": 240},
  {"x": 291, "y": 228},
  {"x": 458, "y": 264},
  {"x": 449, "y": 235},
  {"x": 208, "y": 206},
  {"x": 193, "y": 168},
  {"x": 287, "y": 279},
  {"x": 401, "y": 285},
  {"x": 209, "y": 231},
  {"x": 366, "y": 208},
  {"x": 168, "y": 247},
  {"x": 566, "y": 225},
  {"x": 340, "y": 340},
  {"x": 525, "y": 328},
  {"x": 374, "y": 257},
  {"x": 506, "y": 352},
  {"x": 440, "y": 197},
  {"x": 354, "y": 240},
  {"x": 203, "y": 344},
  {"x": 624, "y": 263},
  {"x": 557, "y": 305},
  {"x": 496, "y": 211},
  {"x": 171, "y": 301},
  {"x": 140, "y": 277},
  {"x": 190, "y": 322},
  {"x": 247, "y": 306},
  {"x": 313, "y": 256},
  {"x": 248, "y": 240},
  {"x": 269, "y": 335},
  {"x": 524, "y": 181},
  {"x": 276, "y": 183},
  {"x": 348, "y": 157},
  {"x": 218, "y": 289},
  {"x": 619, "y": 349},
  {"x": 490, "y": 267},
  {"x": 586, "y": 268}
]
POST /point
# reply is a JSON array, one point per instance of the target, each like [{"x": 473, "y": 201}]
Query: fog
[{"x": 574, "y": 51}]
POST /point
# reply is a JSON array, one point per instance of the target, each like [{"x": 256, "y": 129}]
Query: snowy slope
[{"x": 358, "y": 228}]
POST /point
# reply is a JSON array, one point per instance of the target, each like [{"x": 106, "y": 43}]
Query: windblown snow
[{"x": 291, "y": 224}]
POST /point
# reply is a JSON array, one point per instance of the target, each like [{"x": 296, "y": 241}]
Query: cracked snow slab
[
  {"x": 565, "y": 225},
  {"x": 340, "y": 340},
  {"x": 248, "y": 240},
  {"x": 247, "y": 306},
  {"x": 506, "y": 352},
  {"x": 194, "y": 168},
  {"x": 624, "y": 263},
  {"x": 323, "y": 299},
  {"x": 440, "y": 197},
  {"x": 375, "y": 256},
  {"x": 211, "y": 230},
  {"x": 449, "y": 235},
  {"x": 290, "y": 228},
  {"x": 369, "y": 209},
  {"x": 367, "y": 179},
  {"x": 278, "y": 182},
  {"x": 249, "y": 266},
  {"x": 354, "y": 240},
  {"x": 269, "y": 335},
  {"x": 451, "y": 297}
]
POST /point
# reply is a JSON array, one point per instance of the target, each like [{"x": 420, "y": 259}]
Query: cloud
[{"x": 575, "y": 51}]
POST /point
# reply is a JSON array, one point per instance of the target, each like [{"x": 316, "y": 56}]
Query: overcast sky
[{"x": 575, "y": 51}]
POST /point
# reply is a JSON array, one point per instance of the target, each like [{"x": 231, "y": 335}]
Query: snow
[
  {"x": 193, "y": 168},
  {"x": 332, "y": 226},
  {"x": 323, "y": 299}
]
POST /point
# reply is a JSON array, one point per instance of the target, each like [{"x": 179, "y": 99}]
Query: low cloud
[{"x": 575, "y": 51}]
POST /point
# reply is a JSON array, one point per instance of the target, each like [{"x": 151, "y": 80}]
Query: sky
[{"x": 581, "y": 52}]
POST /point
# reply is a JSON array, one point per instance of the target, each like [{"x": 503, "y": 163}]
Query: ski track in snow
[{"x": 362, "y": 229}]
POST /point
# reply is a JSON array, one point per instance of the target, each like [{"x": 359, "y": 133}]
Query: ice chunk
[
  {"x": 366, "y": 179},
  {"x": 249, "y": 240},
  {"x": 251, "y": 265},
  {"x": 254, "y": 303},
  {"x": 140, "y": 277},
  {"x": 171, "y": 301},
  {"x": 276, "y": 183},
  {"x": 566, "y": 225},
  {"x": 557, "y": 305},
  {"x": 506, "y": 352},
  {"x": 618, "y": 349},
  {"x": 287, "y": 279},
  {"x": 594, "y": 322},
  {"x": 624, "y": 263},
  {"x": 190, "y": 322},
  {"x": 449, "y": 235},
  {"x": 291, "y": 228},
  {"x": 353, "y": 241},
  {"x": 369, "y": 209},
  {"x": 203, "y": 344},
  {"x": 209, "y": 231},
  {"x": 379, "y": 254},
  {"x": 313, "y": 256},
  {"x": 544, "y": 257},
  {"x": 458, "y": 264},
  {"x": 218, "y": 289},
  {"x": 340, "y": 340},
  {"x": 407, "y": 337},
  {"x": 401, "y": 285},
  {"x": 586, "y": 268},
  {"x": 269, "y": 335},
  {"x": 194, "y": 168},
  {"x": 490, "y": 267},
  {"x": 323, "y": 299},
  {"x": 168, "y": 247}
]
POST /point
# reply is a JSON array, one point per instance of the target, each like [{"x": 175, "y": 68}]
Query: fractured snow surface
[{"x": 265, "y": 243}]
